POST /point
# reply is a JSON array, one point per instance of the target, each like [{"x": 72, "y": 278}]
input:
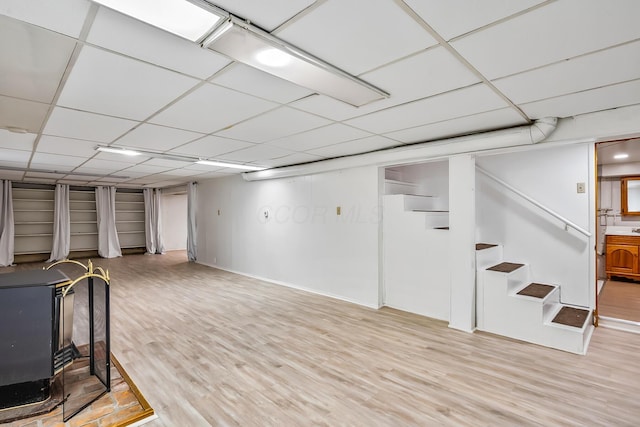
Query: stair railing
[{"x": 567, "y": 223}]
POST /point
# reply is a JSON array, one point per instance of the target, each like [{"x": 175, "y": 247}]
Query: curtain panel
[
  {"x": 192, "y": 247},
  {"x": 7, "y": 230},
  {"x": 108, "y": 242},
  {"x": 153, "y": 221},
  {"x": 61, "y": 224}
]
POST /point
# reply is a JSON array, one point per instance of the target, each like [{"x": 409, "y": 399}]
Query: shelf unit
[
  {"x": 130, "y": 219},
  {"x": 84, "y": 222},
  {"x": 33, "y": 216},
  {"x": 33, "y": 219}
]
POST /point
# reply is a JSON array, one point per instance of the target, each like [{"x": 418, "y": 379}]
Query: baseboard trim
[
  {"x": 293, "y": 286},
  {"x": 619, "y": 324}
]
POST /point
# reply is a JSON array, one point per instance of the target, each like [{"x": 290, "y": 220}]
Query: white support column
[{"x": 462, "y": 223}]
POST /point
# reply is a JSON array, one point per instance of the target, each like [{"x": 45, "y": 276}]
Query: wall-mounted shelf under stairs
[{"x": 510, "y": 304}]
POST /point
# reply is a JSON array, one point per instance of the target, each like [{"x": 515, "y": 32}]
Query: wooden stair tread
[
  {"x": 571, "y": 316},
  {"x": 481, "y": 246},
  {"x": 505, "y": 267},
  {"x": 537, "y": 290}
]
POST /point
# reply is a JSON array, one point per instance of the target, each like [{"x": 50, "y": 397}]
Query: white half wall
[
  {"x": 531, "y": 236},
  {"x": 174, "y": 221},
  {"x": 288, "y": 231}
]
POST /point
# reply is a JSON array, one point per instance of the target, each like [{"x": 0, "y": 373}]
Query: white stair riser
[{"x": 502, "y": 311}]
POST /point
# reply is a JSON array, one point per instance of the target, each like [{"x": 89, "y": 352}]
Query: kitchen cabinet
[{"x": 622, "y": 256}]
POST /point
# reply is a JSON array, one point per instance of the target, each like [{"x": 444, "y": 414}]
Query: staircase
[{"x": 509, "y": 304}]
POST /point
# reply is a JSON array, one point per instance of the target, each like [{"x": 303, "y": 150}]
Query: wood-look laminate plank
[
  {"x": 620, "y": 300},
  {"x": 208, "y": 347}
]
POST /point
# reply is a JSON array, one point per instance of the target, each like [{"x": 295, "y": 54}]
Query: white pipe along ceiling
[{"x": 537, "y": 132}]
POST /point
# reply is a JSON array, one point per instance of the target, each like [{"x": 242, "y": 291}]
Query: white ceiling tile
[
  {"x": 210, "y": 146},
  {"x": 108, "y": 83},
  {"x": 167, "y": 163},
  {"x": 104, "y": 165},
  {"x": 251, "y": 80},
  {"x": 584, "y": 102},
  {"x": 256, "y": 154},
  {"x": 82, "y": 125},
  {"x": 364, "y": 145},
  {"x": 13, "y": 175},
  {"x": 555, "y": 32},
  {"x": 497, "y": 119},
  {"x": 320, "y": 137},
  {"x": 274, "y": 124},
  {"x": 182, "y": 172},
  {"x": 58, "y": 145},
  {"x": 71, "y": 181},
  {"x": 151, "y": 179},
  {"x": 84, "y": 172},
  {"x": 144, "y": 168},
  {"x": 33, "y": 60},
  {"x": 328, "y": 107},
  {"x": 446, "y": 18},
  {"x": 585, "y": 72},
  {"x": 111, "y": 179},
  {"x": 22, "y": 114},
  {"x": 196, "y": 168},
  {"x": 267, "y": 15},
  {"x": 16, "y": 141},
  {"x": 458, "y": 103},
  {"x": 292, "y": 159},
  {"x": 56, "y": 160},
  {"x": 41, "y": 180},
  {"x": 14, "y": 156},
  {"x": 210, "y": 108},
  {"x": 156, "y": 138},
  {"x": 425, "y": 74},
  {"x": 123, "y": 34},
  {"x": 357, "y": 42},
  {"x": 163, "y": 182},
  {"x": 217, "y": 174},
  {"x": 62, "y": 16},
  {"x": 44, "y": 175}
]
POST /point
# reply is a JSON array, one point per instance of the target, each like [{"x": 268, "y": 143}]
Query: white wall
[
  {"x": 303, "y": 243},
  {"x": 529, "y": 235},
  {"x": 174, "y": 221},
  {"x": 415, "y": 262}
]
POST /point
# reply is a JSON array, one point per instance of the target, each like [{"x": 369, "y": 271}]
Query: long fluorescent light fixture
[
  {"x": 179, "y": 17},
  {"x": 114, "y": 150},
  {"x": 250, "y": 45},
  {"x": 229, "y": 165},
  {"x": 177, "y": 158}
]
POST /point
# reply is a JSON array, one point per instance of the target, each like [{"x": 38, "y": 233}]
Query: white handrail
[{"x": 554, "y": 214}]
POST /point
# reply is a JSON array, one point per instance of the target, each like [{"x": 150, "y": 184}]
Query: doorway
[{"x": 618, "y": 235}]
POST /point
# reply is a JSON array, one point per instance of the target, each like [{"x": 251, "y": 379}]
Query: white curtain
[
  {"x": 61, "y": 224},
  {"x": 6, "y": 224},
  {"x": 108, "y": 243},
  {"x": 153, "y": 221},
  {"x": 192, "y": 247}
]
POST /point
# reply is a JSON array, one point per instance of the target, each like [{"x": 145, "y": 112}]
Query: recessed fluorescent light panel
[
  {"x": 122, "y": 151},
  {"x": 620, "y": 156},
  {"x": 179, "y": 17},
  {"x": 252, "y": 46},
  {"x": 229, "y": 165}
]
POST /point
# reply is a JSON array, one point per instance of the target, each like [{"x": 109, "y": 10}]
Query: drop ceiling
[{"x": 75, "y": 75}]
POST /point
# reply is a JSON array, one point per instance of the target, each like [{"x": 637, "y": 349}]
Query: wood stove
[{"x": 47, "y": 322}]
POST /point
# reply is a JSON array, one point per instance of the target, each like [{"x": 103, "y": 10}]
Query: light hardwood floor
[
  {"x": 620, "y": 300},
  {"x": 207, "y": 347}
]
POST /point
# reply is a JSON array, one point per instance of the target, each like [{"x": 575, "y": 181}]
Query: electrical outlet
[{"x": 581, "y": 187}]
